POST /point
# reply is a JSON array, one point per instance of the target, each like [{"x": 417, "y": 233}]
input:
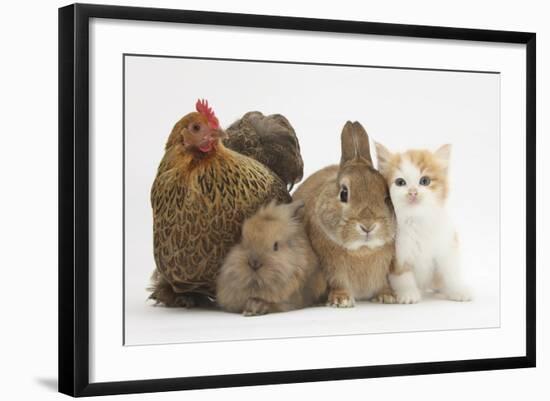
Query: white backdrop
[
  {"x": 29, "y": 337},
  {"x": 400, "y": 108},
  {"x": 109, "y": 39}
]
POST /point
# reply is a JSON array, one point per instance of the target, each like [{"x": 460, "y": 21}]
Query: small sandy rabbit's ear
[
  {"x": 296, "y": 209},
  {"x": 444, "y": 155},
  {"x": 384, "y": 156},
  {"x": 355, "y": 143}
]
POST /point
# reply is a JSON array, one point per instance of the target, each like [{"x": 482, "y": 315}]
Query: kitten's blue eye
[
  {"x": 400, "y": 182},
  {"x": 425, "y": 181}
]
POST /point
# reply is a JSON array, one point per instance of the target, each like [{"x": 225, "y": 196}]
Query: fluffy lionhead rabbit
[
  {"x": 273, "y": 268},
  {"x": 351, "y": 223}
]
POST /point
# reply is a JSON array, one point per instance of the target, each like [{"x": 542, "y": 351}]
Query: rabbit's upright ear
[
  {"x": 362, "y": 141},
  {"x": 355, "y": 143}
]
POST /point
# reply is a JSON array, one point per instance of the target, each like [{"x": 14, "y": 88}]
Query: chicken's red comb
[{"x": 205, "y": 110}]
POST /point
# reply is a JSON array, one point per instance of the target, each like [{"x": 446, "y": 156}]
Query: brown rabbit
[
  {"x": 273, "y": 268},
  {"x": 351, "y": 223}
]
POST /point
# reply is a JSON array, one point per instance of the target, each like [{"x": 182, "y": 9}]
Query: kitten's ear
[
  {"x": 444, "y": 155},
  {"x": 384, "y": 156}
]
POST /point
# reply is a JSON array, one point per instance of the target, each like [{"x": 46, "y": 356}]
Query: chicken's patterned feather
[{"x": 198, "y": 215}]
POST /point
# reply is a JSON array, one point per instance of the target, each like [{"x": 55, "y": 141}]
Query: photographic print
[
  {"x": 267, "y": 200},
  {"x": 254, "y": 199}
]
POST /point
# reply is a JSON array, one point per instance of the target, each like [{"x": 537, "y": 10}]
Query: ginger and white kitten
[{"x": 427, "y": 249}]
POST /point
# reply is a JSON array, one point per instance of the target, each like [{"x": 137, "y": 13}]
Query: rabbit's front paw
[
  {"x": 340, "y": 299},
  {"x": 408, "y": 296},
  {"x": 255, "y": 307}
]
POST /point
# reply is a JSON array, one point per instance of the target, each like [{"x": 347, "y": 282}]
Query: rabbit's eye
[
  {"x": 344, "y": 194},
  {"x": 276, "y": 246},
  {"x": 425, "y": 181},
  {"x": 400, "y": 182}
]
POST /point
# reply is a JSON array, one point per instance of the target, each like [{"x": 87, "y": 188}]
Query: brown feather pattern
[{"x": 199, "y": 204}]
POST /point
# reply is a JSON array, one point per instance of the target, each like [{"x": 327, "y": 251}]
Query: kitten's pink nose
[{"x": 413, "y": 192}]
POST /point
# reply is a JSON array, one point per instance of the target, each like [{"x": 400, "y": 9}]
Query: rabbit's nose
[
  {"x": 365, "y": 229},
  {"x": 254, "y": 263}
]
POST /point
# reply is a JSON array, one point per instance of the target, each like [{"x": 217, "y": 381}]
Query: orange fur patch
[
  {"x": 431, "y": 166},
  {"x": 427, "y": 163}
]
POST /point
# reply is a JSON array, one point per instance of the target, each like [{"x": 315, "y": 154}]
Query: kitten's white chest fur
[{"x": 422, "y": 241}]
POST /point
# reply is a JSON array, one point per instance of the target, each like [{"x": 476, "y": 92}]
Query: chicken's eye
[
  {"x": 195, "y": 127},
  {"x": 276, "y": 246}
]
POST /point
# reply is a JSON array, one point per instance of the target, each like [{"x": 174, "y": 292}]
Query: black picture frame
[{"x": 74, "y": 194}]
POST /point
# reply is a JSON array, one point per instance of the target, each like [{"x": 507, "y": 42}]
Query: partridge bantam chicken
[{"x": 201, "y": 195}]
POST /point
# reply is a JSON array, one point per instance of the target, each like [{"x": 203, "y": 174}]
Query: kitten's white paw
[
  {"x": 409, "y": 296},
  {"x": 458, "y": 294}
]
